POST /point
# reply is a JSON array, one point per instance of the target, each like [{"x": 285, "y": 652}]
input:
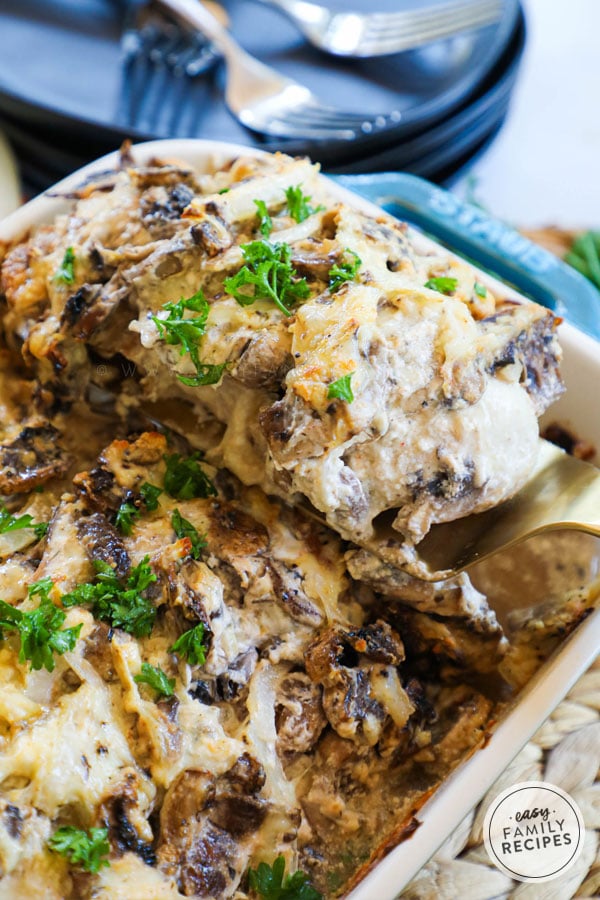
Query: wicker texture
[{"x": 564, "y": 751}]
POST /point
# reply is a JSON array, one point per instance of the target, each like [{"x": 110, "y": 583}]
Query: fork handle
[
  {"x": 491, "y": 244},
  {"x": 195, "y": 14}
]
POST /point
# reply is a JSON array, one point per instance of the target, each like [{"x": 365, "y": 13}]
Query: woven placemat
[{"x": 564, "y": 751}]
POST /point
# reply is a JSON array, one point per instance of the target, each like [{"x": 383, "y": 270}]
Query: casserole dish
[{"x": 545, "y": 690}]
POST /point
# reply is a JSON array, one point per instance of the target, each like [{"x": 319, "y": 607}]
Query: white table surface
[{"x": 544, "y": 167}]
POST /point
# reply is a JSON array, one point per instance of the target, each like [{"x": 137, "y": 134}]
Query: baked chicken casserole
[{"x": 205, "y": 692}]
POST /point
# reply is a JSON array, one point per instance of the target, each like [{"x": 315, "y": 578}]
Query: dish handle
[{"x": 489, "y": 243}]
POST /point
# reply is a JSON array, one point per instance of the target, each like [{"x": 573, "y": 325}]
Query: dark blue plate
[
  {"x": 39, "y": 171},
  {"x": 47, "y": 155},
  {"x": 477, "y": 118},
  {"x": 61, "y": 67}
]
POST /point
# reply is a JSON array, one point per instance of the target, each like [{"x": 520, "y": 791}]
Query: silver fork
[
  {"x": 379, "y": 34},
  {"x": 267, "y": 102}
]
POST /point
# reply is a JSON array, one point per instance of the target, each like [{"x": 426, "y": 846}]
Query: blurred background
[{"x": 503, "y": 113}]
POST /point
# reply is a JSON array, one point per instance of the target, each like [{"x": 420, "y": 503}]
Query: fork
[
  {"x": 163, "y": 73},
  {"x": 379, "y": 34},
  {"x": 268, "y": 103}
]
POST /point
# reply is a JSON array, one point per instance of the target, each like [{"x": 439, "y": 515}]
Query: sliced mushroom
[
  {"x": 361, "y": 685},
  {"x": 299, "y": 715},
  {"x": 31, "y": 458},
  {"x": 206, "y": 824},
  {"x": 103, "y": 543}
]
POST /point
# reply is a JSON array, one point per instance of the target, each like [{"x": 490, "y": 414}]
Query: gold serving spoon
[{"x": 562, "y": 493}]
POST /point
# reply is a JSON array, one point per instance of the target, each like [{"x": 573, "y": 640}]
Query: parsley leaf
[
  {"x": 11, "y": 523},
  {"x": 128, "y": 513},
  {"x": 266, "y": 222},
  {"x": 191, "y": 645},
  {"x": 341, "y": 389},
  {"x": 126, "y": 516},
  {"x": 84, "y": 849},
  {"x": 150, "y": 494},
  {"x": 123, "y": 606},
  {"x": 187, "y": 332},
  {"x": 480, "y": 289},
  {"x": 185, "y": 529},
  {"x": 66, "y": 273},
  {"x": 268, "y": 882},
  {"x": 270, "y": 272},
  {"x": 298, "y": 204},
  {"x": 346, "y": 271},
  {"x": 39, "y": 629},
  {"x": 157, "y": 679},
  {"x": 442, "y": 285},
  {"x": 184, "y": 479}
]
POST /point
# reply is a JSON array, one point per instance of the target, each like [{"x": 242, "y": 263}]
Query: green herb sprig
[
  {"x": 298, "y": 204},
  {"x": 191, "y": 645},
  {"x": 187, "y": 332},
  {"x": 270, "y": 274},
  {"x": 480, "y": 289},
  {"x": 443, "y": 285},
  {"x": 265, "y": 221},
  {"x": 121, "y": 605},
  {"x": 128, "y": 513},
  {"x": 157, "y": 679},
  {"x": 185, "y": 479},
  {"x": 86, "y": 850},
  {"x": 341, "y": 389},
  {"x": 347, "y": 270},
  {"x": 39, "y": 629},
  {"x": 268, "y": 883},
  {"x": 66, "y": 273},
  {"x": 185, "y": 529},
  {"x": 9, "y": 522},
  {"x": 150, "y": 494}
]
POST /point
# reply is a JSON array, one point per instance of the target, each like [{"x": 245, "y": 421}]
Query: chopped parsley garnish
[
  {"x": 86, "y": 849},
  {"x": 187, "y": 331},
  {"x": 224, "y": 191},
  {"x": 185, "y": 529},
  {"x": 298, "y": 204},
  {"x": 128, "y": 513},
  {"x": 265, "y": 221},
  {"x": 66, "y": 273},
  {"x": 346, "y": 271},
  {"x": 9, "y": 522},
  {"x": 185, "y": 479},
  {"x": 126, "y": 516},
  {"x": 150, "y": 494},
  {"x": 268, "y": 883},
  {"x": 270, "y": 273},
  {"x": 39, "y": 629},
  {"x": 157, "y": 679},
  {"x": 121, "y": 605},
  {"x": 480, "y": 289},
  {"x": 341, "y": 389},
  {"x": 191, "y": 645},
  {"x": 442, "y": 285}
]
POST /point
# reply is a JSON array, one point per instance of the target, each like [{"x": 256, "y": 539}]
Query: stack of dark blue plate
[{"x": 75, "y": 82}]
